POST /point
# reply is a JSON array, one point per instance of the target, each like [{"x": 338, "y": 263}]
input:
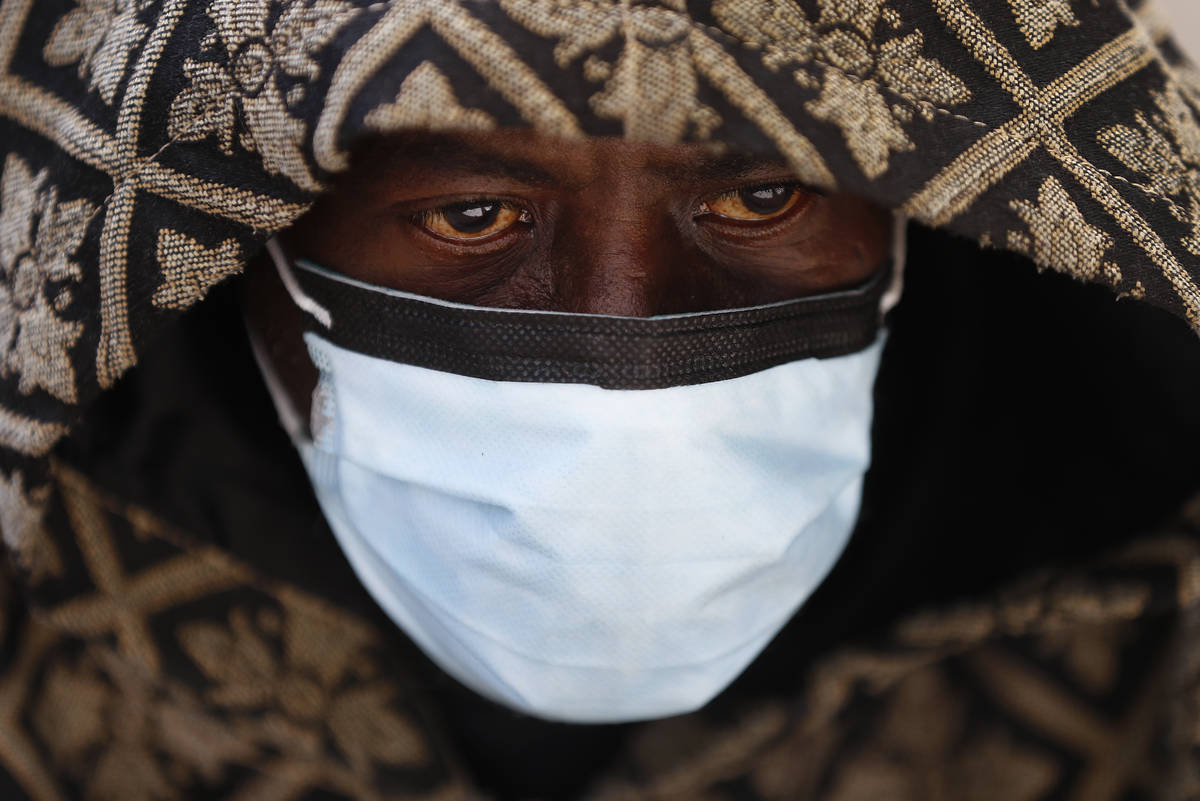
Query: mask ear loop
[
  {"x": 899, "y": 257},
  {"x": 289, "y": 417},
  {"x": 284, "y": 267}
]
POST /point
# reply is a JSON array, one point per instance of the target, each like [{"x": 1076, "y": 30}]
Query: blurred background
[{"x": 1186, "y": 15}]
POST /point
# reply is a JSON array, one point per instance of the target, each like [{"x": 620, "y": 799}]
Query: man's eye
[
  {"x": 755, "y": 202},
  {"x": 473, "y": 219}
]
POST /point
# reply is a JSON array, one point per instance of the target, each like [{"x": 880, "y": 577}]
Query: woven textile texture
[
  {"x": 176, "y": 672},
  {"x": 148, "y": 148}
]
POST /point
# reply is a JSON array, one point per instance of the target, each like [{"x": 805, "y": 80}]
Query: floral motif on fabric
[
  {"x": 39, "y": 235},
  {"x": 99, "y": 36},
  {"x": 1039, "y": 19},
  {"x": 855, "y": 68},
  {"x": 22, "y": 511},
  {"x": 922, "y": 747},
  {"x": 264, "y": 54},
  {"x": 190, "y": 269},
  {"x": 426, "y": 102},
  {"x": 1165, "y": 148},
  {"x": 1060, "y": 238},
  {"x": 283, "y": 693},
  {"x": 294, "y": 680},
  {"x": 652, "y": 85},
  {"x": 109, "y": 727}
]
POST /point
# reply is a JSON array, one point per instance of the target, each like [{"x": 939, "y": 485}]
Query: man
[
  {"x": 594, "y": 475},
  {"x": 707, "y": 422}
]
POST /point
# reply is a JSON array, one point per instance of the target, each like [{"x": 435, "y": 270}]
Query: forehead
[{"x": 529, "y": 158}]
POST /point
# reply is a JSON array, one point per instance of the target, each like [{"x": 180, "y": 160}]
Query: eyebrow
[
  {"x": 454, "y": 155},
  {"x": 720, "y": 167},
  {"x": 449, "y": 154}
]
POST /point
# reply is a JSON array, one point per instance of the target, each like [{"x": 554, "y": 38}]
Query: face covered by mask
[{"x": 586, "y": 518}]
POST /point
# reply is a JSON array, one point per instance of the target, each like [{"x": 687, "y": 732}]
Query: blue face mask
[{"x": 586, "y": 518}]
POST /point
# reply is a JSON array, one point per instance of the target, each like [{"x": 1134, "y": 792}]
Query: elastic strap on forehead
[
  {"x": 284, "y": 266},
  {"x": 891, "y": 295}
]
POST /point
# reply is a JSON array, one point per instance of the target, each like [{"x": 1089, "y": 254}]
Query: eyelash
[
  {"x": 424, "y": 214},
  {"x": 428, "y": 219},
  {"x": 796, "y": 196}
]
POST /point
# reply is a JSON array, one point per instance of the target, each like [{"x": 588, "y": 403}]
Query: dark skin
[{"x": 509, "y": 219}]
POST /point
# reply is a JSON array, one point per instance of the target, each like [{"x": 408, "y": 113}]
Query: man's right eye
[
  {"x": 473, "y": 219},
  {"x": 756, "y": 203}
]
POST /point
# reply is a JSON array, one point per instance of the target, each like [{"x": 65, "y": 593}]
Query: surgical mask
[{"x": 586, "y": 518}]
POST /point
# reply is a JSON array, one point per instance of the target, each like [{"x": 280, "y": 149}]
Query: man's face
[{"x": 604, "y": 226}]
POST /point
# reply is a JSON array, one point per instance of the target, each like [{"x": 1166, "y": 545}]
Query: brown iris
[
  {"x": 755, "y": 202},
  {"x": 475, "y": 219}
]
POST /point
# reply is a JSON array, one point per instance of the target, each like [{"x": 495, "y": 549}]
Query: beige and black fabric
[
  {"x": 151, "y": 146},
  {"x": 1067, "y": 685},
  {"x": 179, "y": 625}
]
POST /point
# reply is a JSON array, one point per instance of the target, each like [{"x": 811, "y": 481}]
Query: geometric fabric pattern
[
  {"x": 150, "y": 146},
  {"x": 171, "y": 671}
]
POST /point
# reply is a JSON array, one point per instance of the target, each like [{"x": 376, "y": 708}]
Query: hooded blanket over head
[{"x": 148, "y": 148}]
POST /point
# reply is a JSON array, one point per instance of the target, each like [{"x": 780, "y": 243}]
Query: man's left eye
[
  {"x": 755, "y": 202},
  {"x": 476, "y": 219}
]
